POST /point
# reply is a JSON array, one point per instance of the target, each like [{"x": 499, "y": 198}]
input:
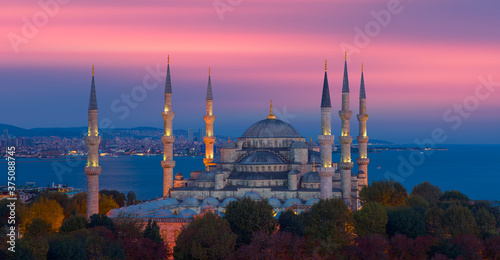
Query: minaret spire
[
  {"x": 326, "y": 139},
  {"x": 209, "y": 138},
  {"x": 271, "y": 115},
  {"x": 362, "y": 137},
  {"x": 92, "y": 170},
  {"x": 345, "y": 141},
  {"x": 168, "y": 137}
]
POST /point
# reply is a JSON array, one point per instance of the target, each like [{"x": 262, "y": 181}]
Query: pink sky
[{"x": 427, "y": 58}]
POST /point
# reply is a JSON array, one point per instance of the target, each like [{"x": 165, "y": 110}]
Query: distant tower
[
  {"x": 92, "y": 170},
  {"x": 363, "y": 137},
  {"x": 345, "y": 140},
  {"x": 326, "y": 140},
  {"x": 168, "y": 137},
  {"x": 209, "y": 120}
]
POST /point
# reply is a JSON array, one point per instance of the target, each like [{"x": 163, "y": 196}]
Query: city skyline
[{"x": 426, "y": 60}]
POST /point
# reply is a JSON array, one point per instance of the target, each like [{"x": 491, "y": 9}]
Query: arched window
[
  {"x": 268, "y": 168},
  {"x": 176, "y": 234},
  {"x": 164, "y": 235},
  {"x": 263, "y": 168}
]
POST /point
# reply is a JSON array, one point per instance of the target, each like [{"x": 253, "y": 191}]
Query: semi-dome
[
  {"x": 262, "y": 157},
  {"x": 311, "y": 177},
  {"x": 274, "y": 202},
  {"x": 312, "y": 145},
  {"x": 299, "y": 145},
  {"x": 186, "y": 213},
  {"x": 190, "y": 202},
  {"x": 226, "y": 202},
  {"x": 210, "y": 201},
  {"x": 229, "y": 145},
  {"x": 271, "y": 128},
  {"x": 292, "y": 202},
  {"x": 311, "y": 202},
  {"x": 252, "y": 195},
  {"x": 206, "y": 176}
]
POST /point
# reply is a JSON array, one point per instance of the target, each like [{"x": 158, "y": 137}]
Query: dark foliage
[
  {"x": 407, "y": 221},
  {"x": 117, "y": 196},
  {"x": 428, "y": 191},
  {"x": 289, "y": 221},
  {"x": 101, "y": 220},
  {"x": 73, "y": 223},
  {"x": 385, "y": 192}
]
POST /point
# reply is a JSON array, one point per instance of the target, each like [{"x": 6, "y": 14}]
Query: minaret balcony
[
  {"x": 92, "y": 140},
  {"x": 168, "y": 139},
  {"x": 363, "y": 161},
  {"x": 93, "y": 170},
  {"x": 346, "y": 165},
  {"x": 326, "y": 171},
  {"x": 362, "y": 118},
  {"x": 345, "y": 115},
  {"x": 209, "y": 139},
  {"x": 345, "y": 139},
  {"x": 168, "y": 164},
  {"x": 209, "y": 119},
  {"x": 362, "y": 139},
  {"x": 168, "y": 115},
  {"x": 326, "y": 139}
]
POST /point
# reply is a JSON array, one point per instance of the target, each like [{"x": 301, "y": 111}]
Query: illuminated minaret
[
  {"x": 92, "y": 170},
  {"x": 345, "y": 140},
  {"x": 363, "y": 137},
  {"x": 326, "y": 140},
  {"x": 168, "y": 137},
  {"x": 209, "y": 120}
]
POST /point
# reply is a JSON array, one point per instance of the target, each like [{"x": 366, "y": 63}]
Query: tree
[
  {"x": 69, "y": 246},
  {"x": 74, "y": 222},
  {"x": 428, "y": 191},
  {"x": 131, "y": 198},
  {"x": 106, "y": 203},
  {"x": 407, "y": 221},
  {"x": 291, "y": 222},
  {"x": 329, "y": 226},
  {"x": 454, "y": 196},
  {"x": 434, "y": 218},
  {"x": 152, "y": 231},
  {"x": 48, "y": 210},
  {"x": 101, "y": 220},
  {"x": 486, "y": 222},
  {"x": 117, "y": 196},
  {"x": 385, "y": 192},
  {"x": 402, "y": 247},
  {"x": 32, "y": 248},
  {"x": 372, "y": 246},
  {"x": 470, "y": 246},
  {"x": 79, "y": 203},
  {"x": 279, "y": 245},
  {"x": 371, "y": 219},
  {"x": 101, "y": 244},
  {"x": 459, "y": 220},
  {"x": 38, "y": 228},
  {"x": 246, "y": 216},
  {"x": 417, "y": 201},
  {"x": 207, "y": 237},
  {"x": 61, "y": 198},
  {"x": 129, "y": 232}
]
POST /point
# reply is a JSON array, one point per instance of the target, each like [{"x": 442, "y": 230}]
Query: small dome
[
  {"x": 312, "y": 145},
  {"x": 169, "y": 202},
  {"x": 299, "y": 145},
  {"x": 311, "y": 177},
  {"x": 186, "y": 213},
  {"x": 206, "y": 176},
  {"x": 114, "y": 213},
  {"x": 164, "y": 213},
  {"x": 271, "y": 128},
  {"x": 190, "y": 202},
  {"x": 274, "y": 202},
  {"x": 229, "y": 145},
  {"x": 252, "y": 195},
  {"x": 178, "y": 176},
  {"x": 293, "y": 172},
  {"x": 311, "y": 202},
  {"x": 292, "y": 202},
  {"x": 210, "y": 201},
  {"x": 226, "y": 201},
  {"x": 262, "y": 157}
]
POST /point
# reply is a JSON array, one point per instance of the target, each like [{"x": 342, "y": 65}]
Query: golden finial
[
  {"x": 92, "y": 70},
  {"x": 346, "y": 55},
  {"x": 325, "y": 64},
  {"x": 209, "y": 71},
  {"x": 311, "y": 139},
  {"x": 228, "y": 139},
  {"x": 271, "y": 115},
  {"x": 168, "y": 59},
  {"x": 361, "y": 67},
  {"x": 314, "y": 165}
]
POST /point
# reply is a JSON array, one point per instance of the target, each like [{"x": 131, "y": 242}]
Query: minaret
[
  {"x": 168, "y": 137},
  {"x": 209, "y": 138},
  {"x": 326, "y": 140},
  {"x": 363, "y": 137},
  {"x": 345, "y": 140},
  {"x": 92, "y": 170}
]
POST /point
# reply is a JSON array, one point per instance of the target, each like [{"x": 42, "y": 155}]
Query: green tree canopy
[
  {"x": 459, "y": 220},
  {"x": 117, "y": 196},
  {"x": 131, "y": 197},
  {"x": 101, "y": 220},
  {"x": 246, "y": 216},
  {"x": 152, "y": 231},
  {"x": 417, "y": 201},
  {"x": 74, "y": 222},
  {"x": 428, "y": 191},
  {"x": 371, "y": 219},
  {"x": 207, "y": 237},
  {"x": 289, "y": 221},
  {"x": 406, "y": 221},
  {"x": 454, "y": 196},
  {"x": 385, "y": 192}
]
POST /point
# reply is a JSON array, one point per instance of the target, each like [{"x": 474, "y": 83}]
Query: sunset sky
[{"x": 423, "y": 60}]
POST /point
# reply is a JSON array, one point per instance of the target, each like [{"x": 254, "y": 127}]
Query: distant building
[{"x": 190, "y": 135}]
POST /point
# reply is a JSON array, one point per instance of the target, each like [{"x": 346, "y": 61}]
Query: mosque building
[{"x": 270, "y": 161}]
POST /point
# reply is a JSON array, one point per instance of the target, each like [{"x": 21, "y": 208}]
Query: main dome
[{"x": 271, "y": 128}]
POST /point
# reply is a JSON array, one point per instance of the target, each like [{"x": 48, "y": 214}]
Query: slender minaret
[
  {"x": 326, "y": 140},
  {"x": 168, "y": 137},
  {"x": 345, "y": 140},
  {"x": 209, "y": 138},
  {"x": 363, "y": 159},
  {"x": 92, "y": 170}
]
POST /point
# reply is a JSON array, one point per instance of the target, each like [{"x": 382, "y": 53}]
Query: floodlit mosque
[{"x": 270, "y": 161}]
